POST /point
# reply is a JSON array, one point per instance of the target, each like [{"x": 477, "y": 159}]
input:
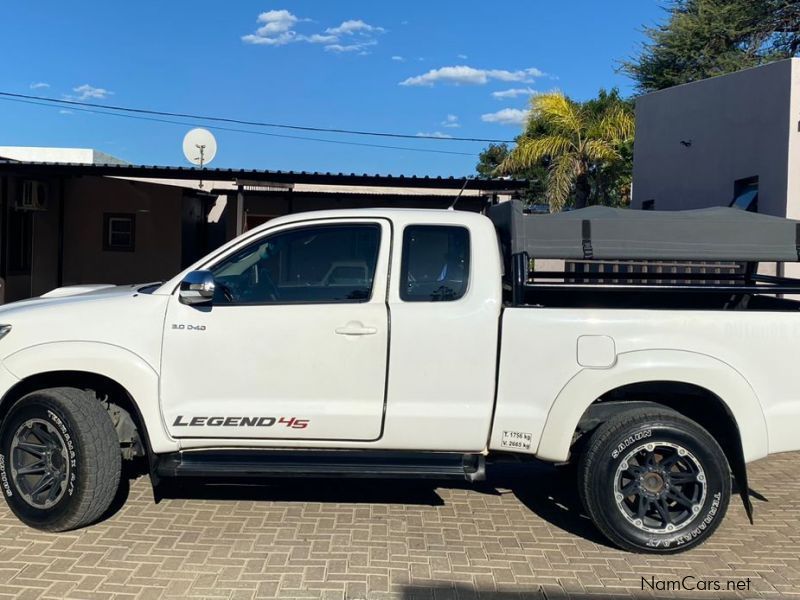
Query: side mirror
[{"x": 197, "y": 287}]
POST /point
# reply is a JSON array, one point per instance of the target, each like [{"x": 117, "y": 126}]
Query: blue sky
[{"x": 446, "y": 67}]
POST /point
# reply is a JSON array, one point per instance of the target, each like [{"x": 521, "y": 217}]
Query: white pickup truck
[{"x": 402, "y": 343}]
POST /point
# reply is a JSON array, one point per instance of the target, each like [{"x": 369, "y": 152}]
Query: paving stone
[{"x": 519, "y": 535}]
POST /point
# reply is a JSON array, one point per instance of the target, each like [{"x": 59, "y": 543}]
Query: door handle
[{"x": 356, "y": 328}]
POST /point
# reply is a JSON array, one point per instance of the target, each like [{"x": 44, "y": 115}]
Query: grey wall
[{"x": 739, "y": 126}]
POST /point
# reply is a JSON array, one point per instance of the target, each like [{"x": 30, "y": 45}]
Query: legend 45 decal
[{"x": 291, "y": 422}]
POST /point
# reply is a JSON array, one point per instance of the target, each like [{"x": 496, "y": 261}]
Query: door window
[
  {"x": 317, "y": 264},
  {"x": 435, "y": 264}
]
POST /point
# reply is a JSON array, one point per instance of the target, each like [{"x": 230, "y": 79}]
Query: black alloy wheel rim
[
  {"x": 660, "y": 487},
  {"x": 40, "y": 464}
]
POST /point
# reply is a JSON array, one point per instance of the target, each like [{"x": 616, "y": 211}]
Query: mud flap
[{"x": 740, "y": 476}]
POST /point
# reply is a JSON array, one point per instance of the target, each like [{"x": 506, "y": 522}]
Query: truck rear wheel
[
  {"x": 60, "y": 459},
  {"x": 654, "y": 481}
]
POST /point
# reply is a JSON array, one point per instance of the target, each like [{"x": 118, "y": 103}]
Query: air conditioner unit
[{"x": 34, "y": 196}]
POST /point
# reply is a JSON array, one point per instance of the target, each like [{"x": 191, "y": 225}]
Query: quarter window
[
  {"x": 435, "y": 264},
  {"x": 318, "y": 264}
]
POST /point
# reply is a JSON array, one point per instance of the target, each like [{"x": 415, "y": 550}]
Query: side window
[
  {"x": 316, "y": 264},
  {"x": 435, "y": 264}
]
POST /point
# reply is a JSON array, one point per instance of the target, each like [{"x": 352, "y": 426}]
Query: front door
[{"x": 295, "y": 344}]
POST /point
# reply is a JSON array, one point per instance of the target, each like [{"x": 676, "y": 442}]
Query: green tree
[
  {"x": 705, "y": 38},
  {"x": 585, "y": 147},
  {"x": 490, "y": 159},
  {"x": 494, "y": 154}
]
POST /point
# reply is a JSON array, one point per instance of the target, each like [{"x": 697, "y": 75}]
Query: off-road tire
[
  {"x": 88, "y": 462},
  {"x": 610, "y": 464}
]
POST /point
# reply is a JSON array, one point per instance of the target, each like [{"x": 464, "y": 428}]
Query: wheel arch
[
  {"x": 102, "y": 385},
  {"x": 113, "y": 369},
  {"x": 713, "y": 384}
]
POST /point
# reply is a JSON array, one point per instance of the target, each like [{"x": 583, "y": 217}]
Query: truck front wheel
[
  {"x": 60, "y": 459},
  {"x": 654, "y": 481}
]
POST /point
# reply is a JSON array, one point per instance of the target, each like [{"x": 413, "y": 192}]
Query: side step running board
[{"x": 321, "y": 463}]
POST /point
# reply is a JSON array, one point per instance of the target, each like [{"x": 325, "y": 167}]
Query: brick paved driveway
[{"x": 518, "y": 536}]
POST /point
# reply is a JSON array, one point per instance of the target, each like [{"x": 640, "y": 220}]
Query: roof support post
[{"x": 239, "y": 212}]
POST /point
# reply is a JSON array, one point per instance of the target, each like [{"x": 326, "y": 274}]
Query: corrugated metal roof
[{"x": 222, "y": 174}]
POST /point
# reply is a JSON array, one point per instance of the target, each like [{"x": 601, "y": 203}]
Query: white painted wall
[{"x": 84, "y": 156}]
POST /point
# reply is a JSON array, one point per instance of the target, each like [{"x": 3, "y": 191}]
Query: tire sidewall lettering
[
  {"x": 4, "y": 478},
  {"x": 629, "y": 441},
  {"x": 694, "y": 532},
  {"x": 71, "y": 450}
]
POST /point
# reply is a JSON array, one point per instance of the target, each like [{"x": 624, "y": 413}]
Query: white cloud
[
  {"x": 39, "y": 85},
  {"x": 507, "y": 116},
  {"x": 451, "y": 121},
  {"x": 278, "y": 28},
  {"x": 398, "y": 58},
  {"x": 462, "y": 56},
  {"x": 89, "y": 92},
  {"x": 465, "y": 75},
  {"x": 354, "y": 26},
  {"x": 318, "y": 38},
  {"x": 64, "y": 111},
  {"x": 357, "y": 47},
  {"x": 513, "y": 93},
  {"x": 436, "y": 134}
]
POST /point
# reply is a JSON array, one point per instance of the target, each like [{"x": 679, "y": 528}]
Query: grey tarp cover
[{"x": 599, "y": 232}]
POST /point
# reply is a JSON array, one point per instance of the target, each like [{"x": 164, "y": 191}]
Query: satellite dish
[{"x": 199, "y": 147}]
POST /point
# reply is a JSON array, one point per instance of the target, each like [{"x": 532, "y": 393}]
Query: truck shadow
[
  {"x": 359, "y": 491},
  {"x": 550, "y": 492},
  {"x": 547, "y": 491}
]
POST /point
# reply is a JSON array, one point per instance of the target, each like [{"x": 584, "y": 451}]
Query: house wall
[
  {"x": 738, "y": 126},
  {"x": 157, "y": 254},
  {"x": 44, "y": 262},
  {"x": 16, "y": 285},
  {"x": 43, "y": 274},
  {"x": 172, "y": 225}
]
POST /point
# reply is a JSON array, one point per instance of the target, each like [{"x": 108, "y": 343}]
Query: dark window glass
[
  {"x": 20, "y": 241},
  {"x": 745, "y": 194},
  {"x": 119, "y": 232},
  {"x": 325, "y": 263},
  {"x": 435, "y": 264}
]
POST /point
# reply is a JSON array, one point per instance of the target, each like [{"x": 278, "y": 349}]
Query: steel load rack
[{"x": 713, "y": 252}]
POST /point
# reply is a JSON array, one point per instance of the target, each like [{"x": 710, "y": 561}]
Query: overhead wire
[
  {"x": 8, "y": 98},
  {"x": 234, "y": 121}
]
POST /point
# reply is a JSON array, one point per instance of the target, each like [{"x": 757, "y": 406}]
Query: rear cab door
[{"x": 445, "y": 302}]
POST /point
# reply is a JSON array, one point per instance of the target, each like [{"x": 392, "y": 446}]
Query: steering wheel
[
  {"x": 257, "y": 287},
  {"x": 226, "y": 289}
]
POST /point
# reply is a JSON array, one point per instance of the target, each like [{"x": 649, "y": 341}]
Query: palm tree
[{"x": 575, "y": 140}]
